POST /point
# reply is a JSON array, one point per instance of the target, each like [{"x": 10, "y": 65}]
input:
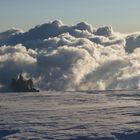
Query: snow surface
[{"x": 97, "y": 115}]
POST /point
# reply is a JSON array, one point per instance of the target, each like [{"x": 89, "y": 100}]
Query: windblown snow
[
  {"x": 70, "y": 116},
  {"x": 71, "y": 58}
]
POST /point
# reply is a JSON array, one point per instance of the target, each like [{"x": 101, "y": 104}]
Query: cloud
[
  {"x": 48, "y": 30},
  {"x": 13, "y": 60},
  {"x": 132, "y": 42},
  {"x": 78, "y": 57},
  {"x": 84, "y": 26},
  {"x": 4, "y": 36},
  {"x": 104, "y": 31}
]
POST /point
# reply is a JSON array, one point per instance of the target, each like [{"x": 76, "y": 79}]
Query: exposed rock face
[{"x": 22, "y": 85}]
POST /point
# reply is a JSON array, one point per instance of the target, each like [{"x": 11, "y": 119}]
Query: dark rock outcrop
[{"x": 23, "y": 85}]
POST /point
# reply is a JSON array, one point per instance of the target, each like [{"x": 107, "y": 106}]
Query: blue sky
[{"x": 123, "y": 15}]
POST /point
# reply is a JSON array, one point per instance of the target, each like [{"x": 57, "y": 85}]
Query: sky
[{"x": 123, "y": 15}]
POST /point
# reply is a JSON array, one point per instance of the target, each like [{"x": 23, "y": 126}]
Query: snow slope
[{"x": 97, "y": 115}]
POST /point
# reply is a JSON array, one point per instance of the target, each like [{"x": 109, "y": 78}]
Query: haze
[{"x": 123, "y": 15}]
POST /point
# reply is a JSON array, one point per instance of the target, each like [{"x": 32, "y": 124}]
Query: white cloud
[
  {"x": 105, "y": 31},
  {"x": 61, "y": 57},
  {"x": 13, "y": 60},
  {"x": 132, "y": 42}
]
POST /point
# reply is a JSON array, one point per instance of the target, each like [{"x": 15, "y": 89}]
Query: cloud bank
[{"x": 77, "y": 57}]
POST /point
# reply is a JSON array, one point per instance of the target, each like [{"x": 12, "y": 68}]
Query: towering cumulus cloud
[{"x": 78, "y": 57}]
